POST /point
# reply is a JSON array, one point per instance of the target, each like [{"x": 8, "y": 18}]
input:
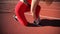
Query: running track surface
[{"x": 10, "y": 26}]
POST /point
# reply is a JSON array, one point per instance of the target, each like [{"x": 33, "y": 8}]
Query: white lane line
[{"x": 45, "y": 16}]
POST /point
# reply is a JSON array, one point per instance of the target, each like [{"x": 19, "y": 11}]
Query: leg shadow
[{"x": 47, "y": 22}]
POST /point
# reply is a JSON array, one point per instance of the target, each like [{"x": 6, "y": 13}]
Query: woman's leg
[
  {"x": 37, "y": 11},
  {"x": 37, "y": 21},
  {"x": 19, "y": 10}
]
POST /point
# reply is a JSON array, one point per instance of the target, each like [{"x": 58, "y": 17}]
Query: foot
[
  {"x": 37, "y": 22},
  {"x": 15, "y": 17},
  {"x": 32, "y": 25}
]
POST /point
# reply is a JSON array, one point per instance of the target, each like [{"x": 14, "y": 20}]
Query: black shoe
[
  {"x": 32, "y": 25},
  {"x": 15, "y": 17},
  {"x": 37, "y": 22}
]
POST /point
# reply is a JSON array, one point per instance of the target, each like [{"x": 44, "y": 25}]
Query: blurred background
[{"x": 10, "y": 26}]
